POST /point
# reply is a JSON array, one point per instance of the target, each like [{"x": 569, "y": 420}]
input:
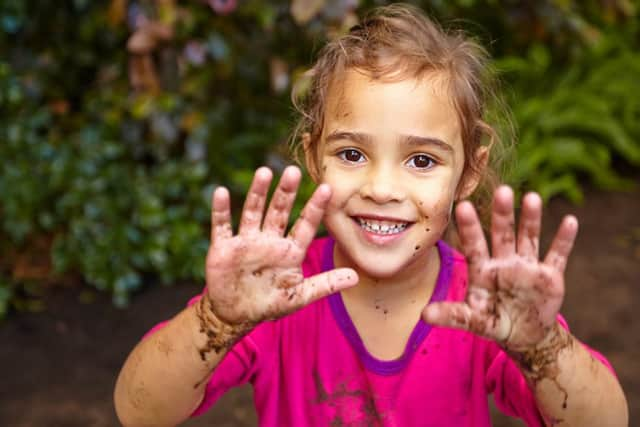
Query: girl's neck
[{"x": 384, "y": 311}]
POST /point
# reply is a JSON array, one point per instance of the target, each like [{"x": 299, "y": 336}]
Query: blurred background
[{"x": 118, "y": 118}]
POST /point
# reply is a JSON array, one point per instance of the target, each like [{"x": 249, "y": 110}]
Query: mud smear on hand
[
  {"x": 541, "y": 362},
  {"x": 220, "y": 335}
]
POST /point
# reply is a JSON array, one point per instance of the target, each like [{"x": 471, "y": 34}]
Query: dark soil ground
[{"x": 58, "y": 367}]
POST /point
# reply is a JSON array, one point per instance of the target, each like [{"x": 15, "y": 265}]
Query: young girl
[{"x": 382, "y": 323}]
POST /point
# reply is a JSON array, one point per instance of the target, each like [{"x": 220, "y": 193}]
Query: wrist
[
  {"x": 219, "y": 335},
  {"x": 541, "y": 360}
]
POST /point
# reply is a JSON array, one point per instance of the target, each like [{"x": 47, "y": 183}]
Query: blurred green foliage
[
  {"x": 582, "y": 124},
  {"x": 108, "y": 166}
]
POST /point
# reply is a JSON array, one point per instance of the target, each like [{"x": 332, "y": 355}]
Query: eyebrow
[
  {"x": 411, "y": 140},
  {"x": 415, "y": 140}
]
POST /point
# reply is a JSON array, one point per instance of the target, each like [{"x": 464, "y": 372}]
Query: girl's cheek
[{"x": 438, "y": 213}]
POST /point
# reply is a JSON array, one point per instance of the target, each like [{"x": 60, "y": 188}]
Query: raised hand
[
  {"x": 256, "y": 274},
  {"x": 513, "y": 296}
]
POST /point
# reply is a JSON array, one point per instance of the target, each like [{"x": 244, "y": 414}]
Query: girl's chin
[
  {"x": 385, "y": 268},
  {"x": 389, "y": 263}
]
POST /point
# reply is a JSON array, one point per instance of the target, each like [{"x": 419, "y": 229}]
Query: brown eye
[
  {"x": 351, "y": 155},
  {"x": 421, "y": 161}
]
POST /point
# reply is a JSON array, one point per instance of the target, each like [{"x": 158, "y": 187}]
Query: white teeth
[{"x": 382, "y": 227}]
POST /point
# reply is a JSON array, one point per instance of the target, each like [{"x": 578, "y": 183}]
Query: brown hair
[{"x": 396, "y": 42}]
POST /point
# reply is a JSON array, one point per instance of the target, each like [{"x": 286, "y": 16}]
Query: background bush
[{"x": 107, "y": 169}]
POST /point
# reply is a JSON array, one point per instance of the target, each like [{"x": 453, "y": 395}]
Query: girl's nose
[{"x": 382, "y": 186}]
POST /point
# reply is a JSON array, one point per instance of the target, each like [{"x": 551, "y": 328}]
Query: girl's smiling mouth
[
  {"x": 380, "y": 230},
  {"x": 382, "y": 227}
]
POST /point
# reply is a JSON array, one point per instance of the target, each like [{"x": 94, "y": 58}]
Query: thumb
[
  {"x": 315, "y": 287},
  {"x": 449, "y": 315}
]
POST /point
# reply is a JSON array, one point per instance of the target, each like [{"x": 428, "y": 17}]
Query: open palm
[
  {"x": 256, "y": 274},
  {"x": 513, "y": 296}
]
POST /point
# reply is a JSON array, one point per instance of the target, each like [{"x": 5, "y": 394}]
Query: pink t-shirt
[{"x": 311, "y": 368}]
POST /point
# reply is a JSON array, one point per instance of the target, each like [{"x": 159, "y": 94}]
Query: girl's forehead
[
  {"x": 395, "y": 104},
  {"x": 352, "y": 85}
]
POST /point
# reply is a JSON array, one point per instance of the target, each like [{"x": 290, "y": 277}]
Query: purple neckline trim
[{"x": 420, "y": 331}]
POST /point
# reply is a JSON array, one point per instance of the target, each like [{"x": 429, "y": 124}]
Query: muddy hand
[
  {"x": 513, "y": 296},
  {"x": 256, "y": 274}
]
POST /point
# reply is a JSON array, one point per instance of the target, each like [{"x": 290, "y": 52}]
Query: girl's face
[{"x": 393, "y": 155}]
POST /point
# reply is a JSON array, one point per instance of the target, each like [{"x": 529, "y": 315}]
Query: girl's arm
[
  {"x": 251, "y": 277},
  {"x": 514, "y": 298},
  {"x": 164, "y": 378},
  {"x": 572, "y": 387}
]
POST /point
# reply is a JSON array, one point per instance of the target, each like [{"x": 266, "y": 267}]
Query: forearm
[
  {"x": 164, "y": 377},
  {"x": 571, "y": 387}
]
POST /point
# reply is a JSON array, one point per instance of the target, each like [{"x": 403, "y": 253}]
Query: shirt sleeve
[{"x": 512, "y": 394}]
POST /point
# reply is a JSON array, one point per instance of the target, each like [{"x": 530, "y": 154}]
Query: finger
[
  {"x": 220, "y": 214},
  {"x": 502, "y": 223},
  {"x": 529, "y": 227},
  {"x": 277, "y": 216},
  {"x": 562, "y": 244},
  {"x": 255, "y": 201},
  {"x": 474, "y": 244},
  {"x": 315, "y": 287},
  {"x": 304, "y": 229},
  {"x": 449, "y": 315},
  {"x": 459, "y": 315}
]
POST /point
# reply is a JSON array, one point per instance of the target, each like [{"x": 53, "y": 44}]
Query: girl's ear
[
  {"x": 310, "y": 158},
  {"x": 471, "y": 178}
]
